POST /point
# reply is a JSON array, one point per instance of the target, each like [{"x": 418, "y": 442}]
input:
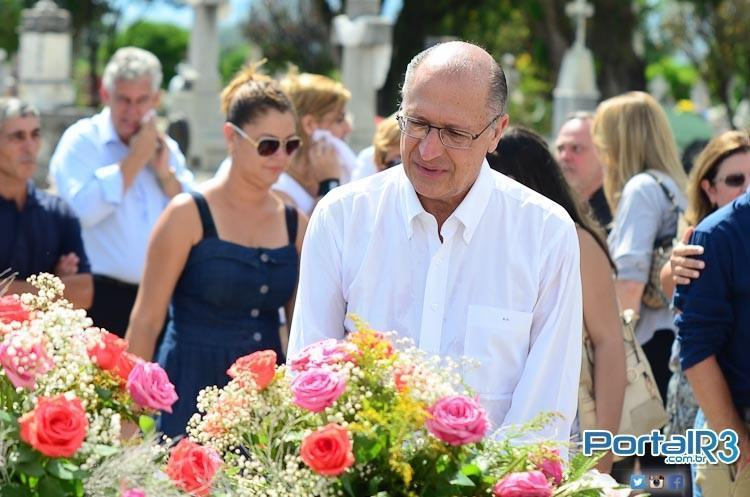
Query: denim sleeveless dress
[{"x": 224, "y": 306}]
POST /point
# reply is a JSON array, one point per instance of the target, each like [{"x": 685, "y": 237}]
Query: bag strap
[{"x": 667, "y": 192}]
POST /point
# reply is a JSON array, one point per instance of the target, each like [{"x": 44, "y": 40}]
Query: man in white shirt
[
  {"x": 450, "y": 253},
  {"x": 118, "y": 172}
]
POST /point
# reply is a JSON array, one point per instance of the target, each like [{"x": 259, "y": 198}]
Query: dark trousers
[{"x": 113, "y": 301}]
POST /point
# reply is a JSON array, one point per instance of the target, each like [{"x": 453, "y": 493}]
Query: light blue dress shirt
[{"x": 116, "y": 224}]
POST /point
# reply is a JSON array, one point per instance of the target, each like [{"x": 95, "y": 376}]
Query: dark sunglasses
[
  {"x": 269, "y": 146},
  {"x": 734, "y": 180}
]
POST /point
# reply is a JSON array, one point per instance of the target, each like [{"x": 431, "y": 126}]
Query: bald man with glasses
[{"x": 461, "y": 259}]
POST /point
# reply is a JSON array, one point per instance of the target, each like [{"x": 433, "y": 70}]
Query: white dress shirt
[
  {"x": 503, "y": 287},
  {"x": 115, "y": 224}
]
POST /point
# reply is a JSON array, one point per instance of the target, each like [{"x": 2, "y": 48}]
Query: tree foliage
[{"x": 714, "y": 35}]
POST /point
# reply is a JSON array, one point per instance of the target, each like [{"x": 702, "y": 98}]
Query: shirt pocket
[{"x": 499, "y": 339}]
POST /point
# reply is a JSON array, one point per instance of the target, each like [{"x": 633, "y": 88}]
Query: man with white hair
[
  {"x": 118, "y": 172},
  {"x": 443, "y": 249}
]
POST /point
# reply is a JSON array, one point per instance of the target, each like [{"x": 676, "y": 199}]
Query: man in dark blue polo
[
  {"x": 38, "y": 231},
  {"x": 714, "y": 334}
]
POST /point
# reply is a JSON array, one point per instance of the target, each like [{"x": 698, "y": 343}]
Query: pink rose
[
  {"x": 552, "y": 466},
  {"x": 526, "y": 484},
  {"x": 316, "y": 389},
  {"x": 12, "y": 309},
  {"x": 133, "y": 492},
  {"x": 325, "y": 352},
  {"x": 149, "y": 386},
  {"x": 458, "y": 420},
  {"x": 23, "y": 358}
]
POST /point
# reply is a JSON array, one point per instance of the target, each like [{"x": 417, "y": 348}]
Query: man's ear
[
  {"x": 497, "y": 132},
  {"x": 104, "y": 95},
  {"x": 157, "y": 98}
]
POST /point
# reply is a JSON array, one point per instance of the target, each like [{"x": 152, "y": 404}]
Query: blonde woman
[
  {"x": 325, "y": 160},
  {"x": 643, "y": 183},
  {"x": 385, "y": 151}
]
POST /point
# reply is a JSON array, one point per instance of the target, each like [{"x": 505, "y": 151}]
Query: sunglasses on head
[
  {"x": 268, "y": 146},
  {"x": 734, "y": 180}
]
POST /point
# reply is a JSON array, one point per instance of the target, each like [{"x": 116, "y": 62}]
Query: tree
[
  {"x": 11, "y": 10},
  {"x": 168, "y": 42},
  {"x": 714, "y": 35},
  {"x": 293, "y": 32}
]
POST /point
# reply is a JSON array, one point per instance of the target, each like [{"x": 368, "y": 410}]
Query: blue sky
[{"x": 236, "y": 10}]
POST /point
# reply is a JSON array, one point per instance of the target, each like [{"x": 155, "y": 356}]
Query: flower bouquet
[
  {"x": 66, "y": 390},
  {"x": 365, "y": 416}
]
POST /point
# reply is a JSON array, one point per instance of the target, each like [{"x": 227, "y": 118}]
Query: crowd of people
[{"x": 471, "y": 237}]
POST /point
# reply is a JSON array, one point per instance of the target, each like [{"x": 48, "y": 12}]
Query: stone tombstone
[
  {"x": 45, "y": 57},
  {"x": 576, "y": 84},
  {"x": 201, "y": 104},
  {"x": 366, "y": 38}
]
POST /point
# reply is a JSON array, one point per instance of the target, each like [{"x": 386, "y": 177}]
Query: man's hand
[
  {"x": 684, "y": 266},
  {"x": 144, "y": 143},
  {"x": 324, "y": 161},
  {"x": 160, "y": 161},
  {"x": 67, "y": 265}
]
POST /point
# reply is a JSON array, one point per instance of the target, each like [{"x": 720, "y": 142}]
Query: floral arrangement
[
  {"x": 66, "y": 392},
  {"x": 365, "y": 416}
]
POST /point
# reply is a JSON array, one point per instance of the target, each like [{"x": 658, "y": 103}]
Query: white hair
[
  {"x": 12, "y": 107},
  {"x": 131, "y": 63}
]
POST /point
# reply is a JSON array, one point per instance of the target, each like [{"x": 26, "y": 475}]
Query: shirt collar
[
  {"x": 468, "y": 213},
  {"x": 107, "y": 127}
]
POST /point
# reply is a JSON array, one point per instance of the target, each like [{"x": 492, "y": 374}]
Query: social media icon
[
  {"x": 637, "y": 482},
  {"x": 656, "y": 481},
  {"x": 676, "y": 482}
]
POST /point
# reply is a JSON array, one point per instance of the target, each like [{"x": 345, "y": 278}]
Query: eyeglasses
[
  {"x": 734, "y": 180},
  {"x": 269, "y": 146},
  {"x": 451, "y": 138}
]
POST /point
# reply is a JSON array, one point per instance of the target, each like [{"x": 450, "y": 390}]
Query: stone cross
[{"x": 580, "y": 10}]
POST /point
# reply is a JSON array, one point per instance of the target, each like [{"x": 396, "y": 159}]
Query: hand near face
[
  {"x": 324, "y": 161},
  {"x": 145, "y": 141},
  {"x": 160, "y": 161},
  {"x": 684, "y": 266},
  {"x": 67, "y": 265}
]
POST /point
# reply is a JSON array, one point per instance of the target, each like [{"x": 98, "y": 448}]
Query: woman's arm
[
  {"x": 602, "y": 319},
  {"x": 175, "y": 233}
]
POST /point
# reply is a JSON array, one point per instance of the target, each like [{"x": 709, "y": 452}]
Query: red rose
[
  {"x": 105, "y": 353},
  {"x": 192, "y": 467},
  {"x": 56, "y": 427},
  {"x": 328, "y": 450},
  {"x": 261, "y": 365},
  {"x": 11, "y": 309},
  {"x": 125, "y": 364}
]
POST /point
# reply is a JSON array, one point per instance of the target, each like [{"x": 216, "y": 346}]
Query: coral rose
[
  {"x": 328, "y": 450},
  {"x": 316, "y": 389},
  {"x": 261, "y": 365},
  {"x": 525, "y": 484},
  {"x": 192, "y": 467},
  {"x": 106, "y": 350},
  {"x": 125, "y": 364},
  {"x": 56, "y": 427},
  {"x": 149, "y": 386},
  {"x": 458, "y": 420},
  {"x": 23, "y": 358},
  {"x": 12, "y": 309}
]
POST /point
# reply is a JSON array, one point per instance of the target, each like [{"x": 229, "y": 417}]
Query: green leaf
[
  {"x": 461, "y": 480},
  {"x": 31, "y": 468},
  {"x": 373, "y": 484},
  {"x": 471, "y": 470},
  {"x": 105, "y": 450},
  {"x": 104, "y": 393},
  {"x": 8, "y": 418},
  {"x": 15, "y": 490},
  {"x": 50, "y": 487},
  {"x": 64, "y": 470},
  {"x": 366, "y": 449},
  {"x": 147, "y": 424},
  {"x": 26, "y": 454}
]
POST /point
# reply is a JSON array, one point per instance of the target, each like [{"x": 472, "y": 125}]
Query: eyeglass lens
[
  {"x": 735, "y": 180},
  {"x": 269, "y": 146}
]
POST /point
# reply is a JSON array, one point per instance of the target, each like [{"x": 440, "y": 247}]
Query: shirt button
[
  {"x": 434, "y": 307},
  {"x": 264, "y": 257},
  {"x": 255, "y": 313},
  {"x": 257, "y": 336},
  {"x": 264, "y": 289}
]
